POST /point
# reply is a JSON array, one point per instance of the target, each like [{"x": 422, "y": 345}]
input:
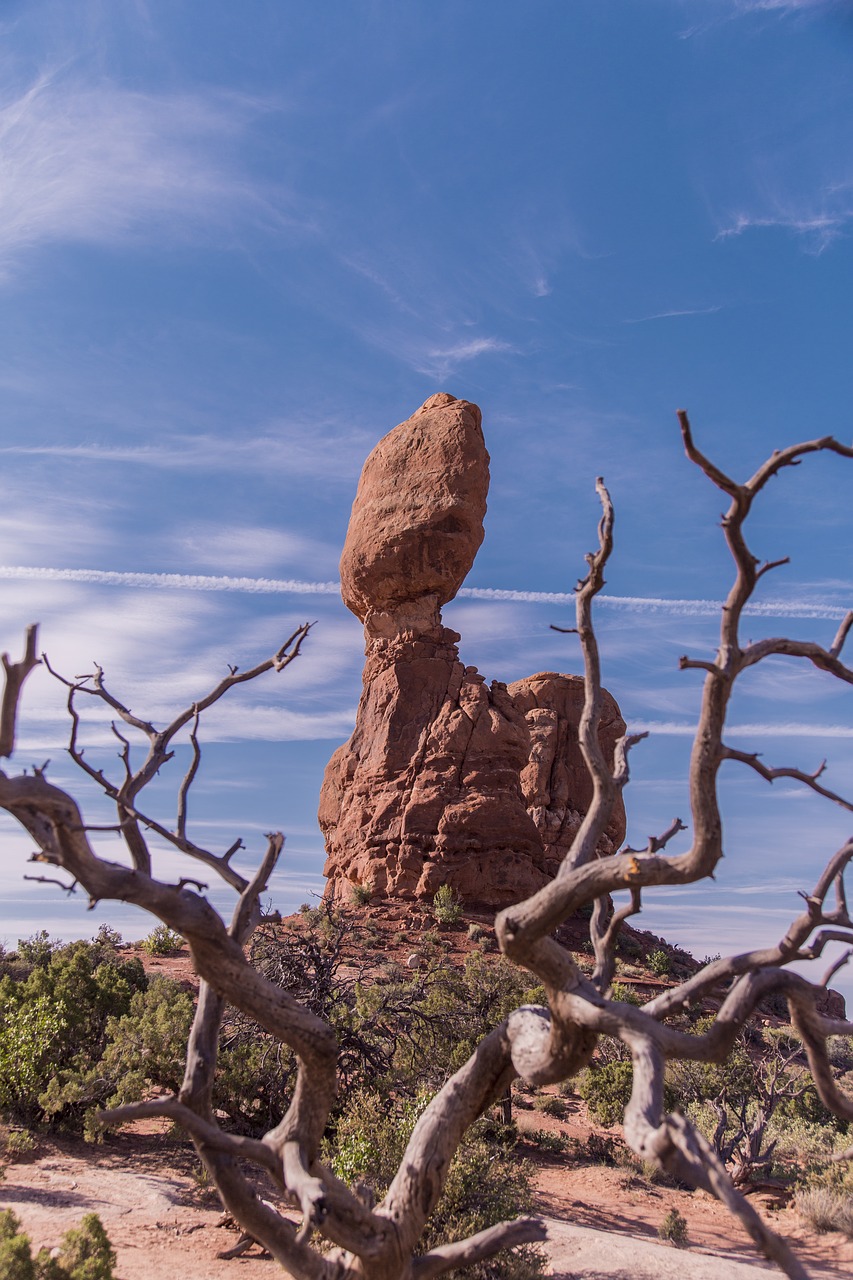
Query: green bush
[
  {"x": 49, "y": 1268},
  {"x": 606, "y": 1090},
  {"x": 554, "y": 1143},
  {"x": 54, "y": 1020},
  {"x": 107, "y": 937},
  {"x": 29, "y": 1034},
  {"x": 9, "y": 1224},
  {"x": 624, "y": 994},
  {"x": 144, "y": 1047},
  {"x": 840, "y": 1051},
  {"x": 257, "y": 1072},
  {"x": 808, "y": 1145},
  {"x": 447, "y": 905},
  {"x": 809, "y": 1107},
  {"x": 660, "y": 963},
  {"x": 485, "y": 1187},
  {"x": 602, "y": 1149},
  {"x": 83, "y": 1027},
  {"x": 162, "y": 941},
  {"x": 599, "y": 1148},
  {"x": 691, "y": 1082},
  {"x": 38, "y": 949},
  {"x": 432, "y": 1022},
  {"x": 16, "y": 1258},
  {"x": 20, "y": 1142},
  {"x": 85, "y": 1253},
  {"x": 551, "y": 1106},
  {"x": 674, "y": 1228}
]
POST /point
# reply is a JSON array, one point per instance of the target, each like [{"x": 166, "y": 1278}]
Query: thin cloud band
[{"x": 297, "y": 586}]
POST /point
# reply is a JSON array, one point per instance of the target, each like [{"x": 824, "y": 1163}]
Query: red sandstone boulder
[{"x": 417, "y": 519}]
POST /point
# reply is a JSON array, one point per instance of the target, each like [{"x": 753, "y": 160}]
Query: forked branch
[
  {"x": 15, "y": 674},
  {"x": 810, "y": 780}
]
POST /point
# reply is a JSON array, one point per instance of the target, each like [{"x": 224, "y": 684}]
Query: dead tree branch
[
  {"x": 15, "y": 674},
  {"x": 810, "y": 780}
]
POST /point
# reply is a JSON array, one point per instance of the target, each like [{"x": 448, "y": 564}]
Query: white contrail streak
[
  {"x": 656, "y": 604},
  {"x": 793, "y": 729},
  {"x": 298, "y": 586},
  {"x": 175, "y": 581}
]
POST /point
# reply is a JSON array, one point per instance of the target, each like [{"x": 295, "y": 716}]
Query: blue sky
[{"x": 239, "y": 244}]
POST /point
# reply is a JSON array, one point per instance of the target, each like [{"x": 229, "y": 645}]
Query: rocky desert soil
[{"x": 163, "y": 1220}]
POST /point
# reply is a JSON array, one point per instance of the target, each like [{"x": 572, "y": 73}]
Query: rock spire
[{"x": 445, "y": 780}]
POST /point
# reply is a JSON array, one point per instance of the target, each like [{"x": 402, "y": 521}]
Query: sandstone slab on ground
[{"x": 582, "y": 1253}]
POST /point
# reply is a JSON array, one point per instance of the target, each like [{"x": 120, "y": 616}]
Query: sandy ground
[
  {"x": 584, "y": 1198},
  {"x": 162, "y": 1223}
]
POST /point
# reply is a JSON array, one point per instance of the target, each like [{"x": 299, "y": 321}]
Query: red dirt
[{"x": 162, "y": 1222}]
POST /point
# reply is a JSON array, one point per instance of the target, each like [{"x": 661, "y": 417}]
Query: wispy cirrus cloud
[
  {"x": 163, "y": 650},
  {"x": 784, "y": 6},
  {"x": 792, "y": 171},
  {"x": 440, "y": 362},
  {"x": 101, "y": 164},
  {"x": 731, "y": 10},
  {"x": 819, "y": 229},
  {"x": 75, "y": 528},
  {"x": 249, "y": 722},
  {"x": 674, "y": 315},
  {"x": 302, "y": 449},
  {"x": 234, "y": 547}
]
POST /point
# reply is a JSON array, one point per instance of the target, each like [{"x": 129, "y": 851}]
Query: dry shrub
[{"x": 825, "y": 1209}]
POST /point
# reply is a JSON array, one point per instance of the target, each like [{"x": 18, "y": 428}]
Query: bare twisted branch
[{"x": 15, "y": 674}]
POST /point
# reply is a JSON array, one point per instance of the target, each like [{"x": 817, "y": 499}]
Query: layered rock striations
[{"x": 445, "y": 780}]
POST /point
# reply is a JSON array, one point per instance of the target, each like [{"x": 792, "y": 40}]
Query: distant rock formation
[{"x": 445, "y": 780}]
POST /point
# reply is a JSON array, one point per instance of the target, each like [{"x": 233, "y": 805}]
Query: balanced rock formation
[{"x": 445, "y": 780}]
